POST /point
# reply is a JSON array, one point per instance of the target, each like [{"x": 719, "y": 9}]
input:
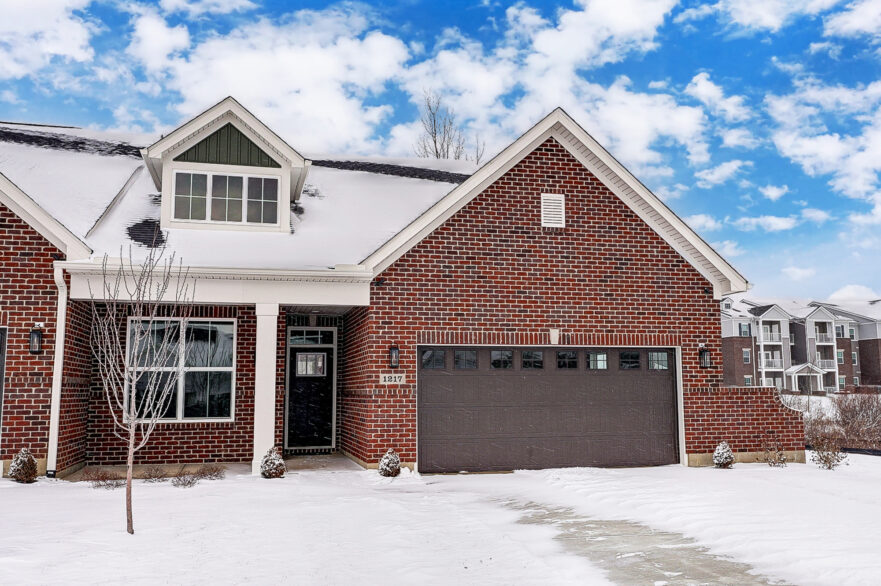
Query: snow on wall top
[{"x": 350, "y": 205}]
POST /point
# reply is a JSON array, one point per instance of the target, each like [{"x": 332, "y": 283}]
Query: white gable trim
[
  {"x": 558, "y": 125},
  {"x": 821, "y": 314},
  {"x": 775, "y": 312},
  {"x": 42, "y": 221}
]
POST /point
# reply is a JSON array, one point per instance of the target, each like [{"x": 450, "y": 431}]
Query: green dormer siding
[{"x": 227, "y": 146}]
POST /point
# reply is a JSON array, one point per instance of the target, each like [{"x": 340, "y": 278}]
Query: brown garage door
[{"x": 527, "y": 408}]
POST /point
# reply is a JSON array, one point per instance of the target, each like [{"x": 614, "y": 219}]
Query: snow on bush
[
  {"x": 774, "y": 454},
  {"x": 272, "y": 465},
  {"x": 826, "y": 451},
  {"x": 723, "y": 457},
  {"x": 390, "y": 464},
  {"x": 24, "y": 467}
]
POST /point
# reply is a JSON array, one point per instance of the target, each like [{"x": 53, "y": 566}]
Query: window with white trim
[
  {"x": 852, "y": 333},
  {"x": 225, "y": 198},
  {"x": 747, "y": 381},
  {"x": 744, "y": 330},
  {"x": 205, "y": 357},
  {"x": 853, "y": 357},
  {"x": 842, "y": 382},
  {"x": 840, "y": 355},
  {"x": 553, "y": 210},
  {"x": 856, "y": 381},
  {"x": 746, "y": 356},
  {"x": 839, "y": 331}
]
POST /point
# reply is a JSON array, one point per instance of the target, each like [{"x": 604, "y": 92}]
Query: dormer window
[{"x": 230, "y": 198}]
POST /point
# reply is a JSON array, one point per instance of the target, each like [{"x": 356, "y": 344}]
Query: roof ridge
[
  {"x": 393, "y": 169},
  {"x": 69, "y": 142}
]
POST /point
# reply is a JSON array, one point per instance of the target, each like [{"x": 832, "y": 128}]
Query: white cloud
[
  {"x": 660, "y": 84},
  {"x": 200, "y": 7},
  {"x": 774, "y": 192},
  {"x": 862, "y": 17},
  {"x": 35, "y": 32},
  {"x": 738, "y": 138},
  {"x": 854, "y": 293},
  {"x": 704, "y": 90},
  {"x": 697, "y": 13},
  {"x": 815, "y": 215},
  {"x": 729, "y": 248},
  {"x": 799, "y": 274},
  {"x": 832, "y": 49},
  {"x": 770, "y": 15},
  {"x": 668, "y": 192},
  {"x": 153, "y": 41},
  {"x": 10, "y": 97},
  {"x": 703, "y": 222},
  {"x": 720, "y": 174},
  {"x": 766, "y": 223}
]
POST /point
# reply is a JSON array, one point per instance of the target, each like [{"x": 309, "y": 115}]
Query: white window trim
[
  {"x": 208, "y": 197},
  {"x": 747, "y": 380},
  {"x": 842, "y": 382},
  {"x": 747, "y": 356},
  {"x": 180, "y": 419},
  {"x": 549, "y": 204},
  {"x": 853, "y": 357},
  {"x": 856, "y": 381}
]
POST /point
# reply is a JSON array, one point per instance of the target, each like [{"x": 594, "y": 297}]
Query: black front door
[{"x": 310, "y": 397}]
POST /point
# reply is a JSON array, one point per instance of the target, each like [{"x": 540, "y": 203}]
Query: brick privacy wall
[
  {"x": 870, "y": 361},
  {"x": 492, "y": 275},
  {"x": 733, "y": 367},
  {"x": 28, "y": 295},
  {"x": 73, "y": 423},
  {"x": 745, "y": 417},
  {"x": 173, "y": 443}
]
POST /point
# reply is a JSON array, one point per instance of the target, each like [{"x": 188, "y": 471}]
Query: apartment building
[{"x": 799, "y": 346}]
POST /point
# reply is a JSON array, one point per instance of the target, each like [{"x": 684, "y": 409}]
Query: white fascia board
[
  {"x": 379, "y": 260},
  {"x": 227, "y": 105},
  {"x": 22, "y": 205}
]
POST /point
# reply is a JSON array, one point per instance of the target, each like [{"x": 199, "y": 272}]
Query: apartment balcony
[
  {"x": 830, "y": 389},
  {"x": 826, "y": 364},
  {"x": 773, "y": 337},
  {"x": 825, "y": 338},
  {"x": 773, "y": 363}
]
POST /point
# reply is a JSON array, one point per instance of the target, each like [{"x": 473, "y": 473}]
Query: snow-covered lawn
[{"x": 798, "y": 524}]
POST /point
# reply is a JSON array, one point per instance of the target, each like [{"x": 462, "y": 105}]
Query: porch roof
[{"x": 806, "y": 368}]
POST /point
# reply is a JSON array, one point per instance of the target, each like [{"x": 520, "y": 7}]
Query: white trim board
[{"x": 558, "y": 125}]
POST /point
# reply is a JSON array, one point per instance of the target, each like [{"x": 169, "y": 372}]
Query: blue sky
[{"x": 756, "y": 120}]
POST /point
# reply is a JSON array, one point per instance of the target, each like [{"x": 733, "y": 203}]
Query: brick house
[{"x": 543, "y": 310}]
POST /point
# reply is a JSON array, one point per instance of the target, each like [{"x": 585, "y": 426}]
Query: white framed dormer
[{"x": 225, "y": 170}]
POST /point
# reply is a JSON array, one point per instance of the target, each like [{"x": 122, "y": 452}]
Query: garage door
[{"x": 482, "y": 409}]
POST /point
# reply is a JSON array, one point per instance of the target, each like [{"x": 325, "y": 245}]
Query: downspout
[{"x": 57, "y": 372}]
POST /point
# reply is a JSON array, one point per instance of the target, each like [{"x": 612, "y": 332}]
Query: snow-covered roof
[
  {"x": 99, "y": 189},
  {"x": 870, "y": 309}
]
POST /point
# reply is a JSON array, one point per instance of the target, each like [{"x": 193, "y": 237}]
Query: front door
[{"x": 311, "y": 398}]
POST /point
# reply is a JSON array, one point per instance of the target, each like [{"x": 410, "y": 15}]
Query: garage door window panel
[
  {"x": 433, "y": 359},
  {"x": 532, "y": 360},
  {"x": 501, "y": 359},
  {"x": 629, "y": 360},
  {"x": 465, "y": 359},
  {"x": 597, "y": 360},
  {"x": 567, "y": 359},
  {"x": 659, "y": 361}
]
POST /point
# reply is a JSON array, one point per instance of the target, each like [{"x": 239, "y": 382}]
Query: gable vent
[{"x": 553, "y": 210}]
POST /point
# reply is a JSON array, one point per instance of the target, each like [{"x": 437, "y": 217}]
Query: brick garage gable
[{"x": 491, "y": 274}]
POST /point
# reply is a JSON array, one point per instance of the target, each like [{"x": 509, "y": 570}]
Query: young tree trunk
[{"x": 130, "y": 462}]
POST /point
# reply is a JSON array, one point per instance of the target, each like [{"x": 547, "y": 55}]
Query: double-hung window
[
  {"x": 853, "y": 357},
  {"x": 746, "y": 356},
  {"x": 202, "y": 351},
  {"x": 840, "y": 356},
  {"x": 744, "y": 330},
  {"x": 225, "y": 198}
]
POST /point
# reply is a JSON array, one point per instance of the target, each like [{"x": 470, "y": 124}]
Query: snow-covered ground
[{"x": 798, "y": 524}]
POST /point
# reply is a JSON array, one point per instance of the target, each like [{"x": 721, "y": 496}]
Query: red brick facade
[
  {"x": 492, "y": 275},
  {"x": 734, "y": 369},
  {"x": 28, "y": 295}
]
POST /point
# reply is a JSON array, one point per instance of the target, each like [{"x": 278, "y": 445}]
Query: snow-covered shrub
[
  {"x": 858, "y": 417},
  {"x": 154, "y": 473},
  {"x": 826, "y": 451},
  {"x": 184, "y": 479},
  {"x": 723, "y": 457},
  {"x": 390, "y": 464},
  {"x": 272, "y": 465},
  {"x": 24, "y": 467},
  {"x": 774, "y": 455},
  {"x": 211, "y": 472},
  {"x": 101, "y": 478}
]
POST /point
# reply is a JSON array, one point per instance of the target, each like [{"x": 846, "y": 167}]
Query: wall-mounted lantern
[
  {"x": 36, "y": 339},
  {"x": 705, "y": 359},
  {"x": 394, "y": 357}
]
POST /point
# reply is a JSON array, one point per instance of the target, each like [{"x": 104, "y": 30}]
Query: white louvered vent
[{"x": 553, "y": 210}]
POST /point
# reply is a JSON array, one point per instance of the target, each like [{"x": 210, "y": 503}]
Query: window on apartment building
[
  {"x": 658, "y": 361},
  {"x": 205, "y": 357},
  {"x": 532, "y": 359},
  {"x": 744, "y": 330},
  {"x": 840, "y": 355},
  {"x": 727, "y": 305},
  {"x": 839, "y": 331},
  {"x": 628, "y": 360},
  {"x": 842, "y": 382},
  {"x": 230, "y": 198},
  {"x": 567, "y": 359},
  {"x": 597, "y": 361},
  {"x": 746, "y": 357},
  {"x": 856, "y": 381},
  {"x": 852, "y": 333},
  {"x": 747, "y": 381},
  {"x": 853, "y": 357}
]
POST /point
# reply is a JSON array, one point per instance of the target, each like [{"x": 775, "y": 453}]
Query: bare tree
[
  {"x": 441, "y": 137},
  {"x": 479, "y": 150},
  {"x": 131, "y": 311}
]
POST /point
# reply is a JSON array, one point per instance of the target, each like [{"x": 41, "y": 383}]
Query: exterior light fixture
[
  {"x": 705, "y": 360},
  {"x": 36, "y": 339},
  {"x": 394, "y": 357}
]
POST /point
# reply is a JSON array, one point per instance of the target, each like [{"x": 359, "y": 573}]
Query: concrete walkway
[{"x": 636, "y": 554}]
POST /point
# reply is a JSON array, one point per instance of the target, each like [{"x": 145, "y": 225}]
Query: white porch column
[{"x": 264, "y": 381}]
